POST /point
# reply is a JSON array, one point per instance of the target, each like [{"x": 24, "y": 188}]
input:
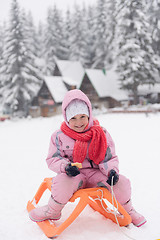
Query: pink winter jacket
[{"x": 61, "y": 146}]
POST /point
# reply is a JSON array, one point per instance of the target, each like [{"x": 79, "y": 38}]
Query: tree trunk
[{"x": 135, "y": 93}]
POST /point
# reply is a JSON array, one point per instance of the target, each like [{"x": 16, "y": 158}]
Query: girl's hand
[
  {"x": 71, "y": 171},
  {"x": 115, "y": 176}
]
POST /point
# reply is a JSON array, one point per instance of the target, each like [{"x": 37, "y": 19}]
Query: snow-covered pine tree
[
  {"x": 1, "y": 56},
  {"x": 31, "y": 34},
  {"x": 21, "y": 78},
  {"x": 51, "y": 40},
  {"x": 90, "y": 37},
  {"x": 102, "y": 34},
  {"x": 40, "y": 40},
  {"x": 49, "y": 46},
  {"x": 32, "y": 44},
  {"x": 63, "y": 46},
  {"x": 137, "y": 63},
  {"x": 1, "y": 45},
  {"x": 154, "y": 17},
  {"x": 55, "y": 43},
  {"x": 3, "y": 37},
  {"x": 111, "y": 34},
  {"x": 59, "y": 41},
  {"x": 66, "y": 35},
  {"x": 78, "y": 51}
]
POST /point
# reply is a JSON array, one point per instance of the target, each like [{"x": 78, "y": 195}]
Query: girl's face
[{"x": 79, "y": 122}]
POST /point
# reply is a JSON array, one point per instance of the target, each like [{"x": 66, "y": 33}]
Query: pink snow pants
[{"x": 63, "y": 186}]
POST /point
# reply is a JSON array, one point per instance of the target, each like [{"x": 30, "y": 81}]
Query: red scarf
[{"x": 97, "y": 147}]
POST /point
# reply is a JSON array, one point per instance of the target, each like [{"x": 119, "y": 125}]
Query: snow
[
  {"x": 114, "y": 85},
  {"x": 69, "y": 81},
  {"x": 149, "y": 89},
  {"x": 99, "y": 81},
  {"x": 24, "y": 146},
  {"x": 56, "y": 87},
  {"x": 106, "y": 85},
  {"x": 72, "y": 70}
]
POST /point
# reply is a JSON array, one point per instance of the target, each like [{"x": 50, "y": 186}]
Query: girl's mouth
[{"x": 79, "y": 126}]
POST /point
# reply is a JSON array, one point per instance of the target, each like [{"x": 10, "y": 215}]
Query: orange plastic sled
[{"x": 95, "y": 197}]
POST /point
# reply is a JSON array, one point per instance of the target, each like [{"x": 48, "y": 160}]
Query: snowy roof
[
  {"x": 147, "y": 89},
  {"x": 72, "y": 71},
  {"x": 69, "y": 81},
  {"x": 56, "y": 87},
  {"x": 99, "y": 81},
  {"x": 114, "y": 85},
  {"x": 106, "y": 85}
]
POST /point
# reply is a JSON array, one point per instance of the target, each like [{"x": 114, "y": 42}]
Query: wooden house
[
  {"x": 149, "y": 93},
  {"x": 49, "y": 98},
  {"x": 102, "y": 89},
  {"x": 67, "y": 75}
]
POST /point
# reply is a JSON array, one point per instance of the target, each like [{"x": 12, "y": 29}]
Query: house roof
[
  {"x": 114, "y": 85},
  {"x": 71, "y": 71},
  {"x": 56, "y": 87},
  {"x": 106, "y": 85}
]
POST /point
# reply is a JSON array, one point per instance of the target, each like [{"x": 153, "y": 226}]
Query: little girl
[{"x": 81, "y": 139}]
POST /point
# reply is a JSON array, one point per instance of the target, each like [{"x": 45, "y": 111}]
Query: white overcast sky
[{"x": 39, "y": 7}]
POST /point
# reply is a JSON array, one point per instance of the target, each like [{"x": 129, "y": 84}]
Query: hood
[{"x": 77, "y": 94}]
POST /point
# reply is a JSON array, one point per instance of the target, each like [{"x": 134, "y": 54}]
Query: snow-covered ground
[{"x": 23, "y": 149}]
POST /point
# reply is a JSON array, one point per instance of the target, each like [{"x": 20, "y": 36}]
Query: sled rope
[
  {"x": 115, "y": 214},
  {"x": 115, "y": 207}
]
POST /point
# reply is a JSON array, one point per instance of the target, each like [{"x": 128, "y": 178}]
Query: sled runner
[{"x": 100, "y": 199}]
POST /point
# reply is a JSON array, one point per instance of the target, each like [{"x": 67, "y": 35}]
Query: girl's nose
[{"x": 79, "y": 121}]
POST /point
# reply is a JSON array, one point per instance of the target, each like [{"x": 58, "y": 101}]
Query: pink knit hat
[{"x": 76, "y": 107}]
